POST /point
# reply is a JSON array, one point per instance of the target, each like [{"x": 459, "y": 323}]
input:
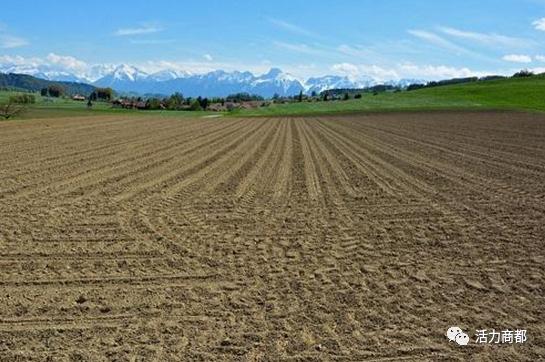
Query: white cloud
[
  {"x": 198, "y": 66},
  {"x": 60, "y": 64},
  {"x": 151, "y": 41},
  {"x": 539, "y": 24},
  {"x": 380, "y": 73},
  {"x": 19, "y": 60},
  {"x": 540, "y": 58},
  {"x": 66, "y": 61},
  {"x": 354, "y": 71},
  {"x": 353, "y": 51},
  {"x": 430, "y": 72},
  {"x": 56, "y": 64},
  {"x": 538, "y": 70},
  {"x": 52, "y": 63},
  {"x": 517, "y": 58},
  {"x": 403, "y": 70},
  {"x": 437, "y": 40},
  {"x": 144, "y": 29},
  {"x": 10, "y": 42},
  {"x": 348, "y": 69},
  {"x": 486, "y": 38},
  {"x": 208, "y": 57},
  {"x": 292, "y": 28},
  {"x": 298, "y": 48}
]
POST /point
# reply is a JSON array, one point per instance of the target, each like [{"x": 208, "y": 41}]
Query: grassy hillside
[
  {"x": 33, "y": 84},
  {"x": 513, "y": 93}
]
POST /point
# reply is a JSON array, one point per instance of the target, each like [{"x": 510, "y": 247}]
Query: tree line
[
  {"x": 520, "y": 74},
  {"x": 178, "y": 102}
]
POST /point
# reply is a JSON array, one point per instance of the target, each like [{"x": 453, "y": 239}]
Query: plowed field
[{"x": 331, "y": 238}]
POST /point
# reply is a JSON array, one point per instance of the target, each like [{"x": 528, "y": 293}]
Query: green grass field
[
  {"x": 526, "y": 94},
  {"x": 513, "y": 94}
]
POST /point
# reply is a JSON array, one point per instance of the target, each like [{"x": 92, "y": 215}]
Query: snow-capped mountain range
[{"x": 219, "y": 83}]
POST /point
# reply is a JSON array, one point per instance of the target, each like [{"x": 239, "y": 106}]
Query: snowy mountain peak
[
  {"x": 217, "y": 83},
  {"x": 319, "y": 84},
  {"x": 128, "y": 72},
  {"x": 168, "y": 74},
  {"x": 273, "y": 73},
  {"x": 278, "y": 75}
]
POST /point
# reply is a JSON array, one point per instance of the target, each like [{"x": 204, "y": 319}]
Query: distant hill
[
  {"x": 523, "y": 93},
  {"x": 513, "y": 93},
  {"x": 33, "y": 84}
]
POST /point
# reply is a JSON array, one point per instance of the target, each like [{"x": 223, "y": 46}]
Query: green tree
[
  {"x": 204, "y": 103},
  {"x": 153, "y": 103},
  {"x": 9, "y": 110},
  {"x": 102, "y": 94},
  {"x": 175, "y": 101},
  {"x": 243, "y": 97},
  {"x": 195, "y": 105},
  {"x": 22, "y": 99},
  {"x": 300, "y": 97},
  {"x": 523, "y": 73},
  {"x": 55, "y": 90}
]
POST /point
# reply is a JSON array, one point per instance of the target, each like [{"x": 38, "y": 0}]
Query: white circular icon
[
  {"x": 462, "y": 339},
  {"x": 456, "y": 334}
]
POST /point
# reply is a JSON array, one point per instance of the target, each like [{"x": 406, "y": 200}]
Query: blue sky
[{"x": 387, "y": 39}]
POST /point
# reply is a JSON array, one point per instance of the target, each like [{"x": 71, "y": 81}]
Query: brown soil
[{"x": 335, "y": 238}]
